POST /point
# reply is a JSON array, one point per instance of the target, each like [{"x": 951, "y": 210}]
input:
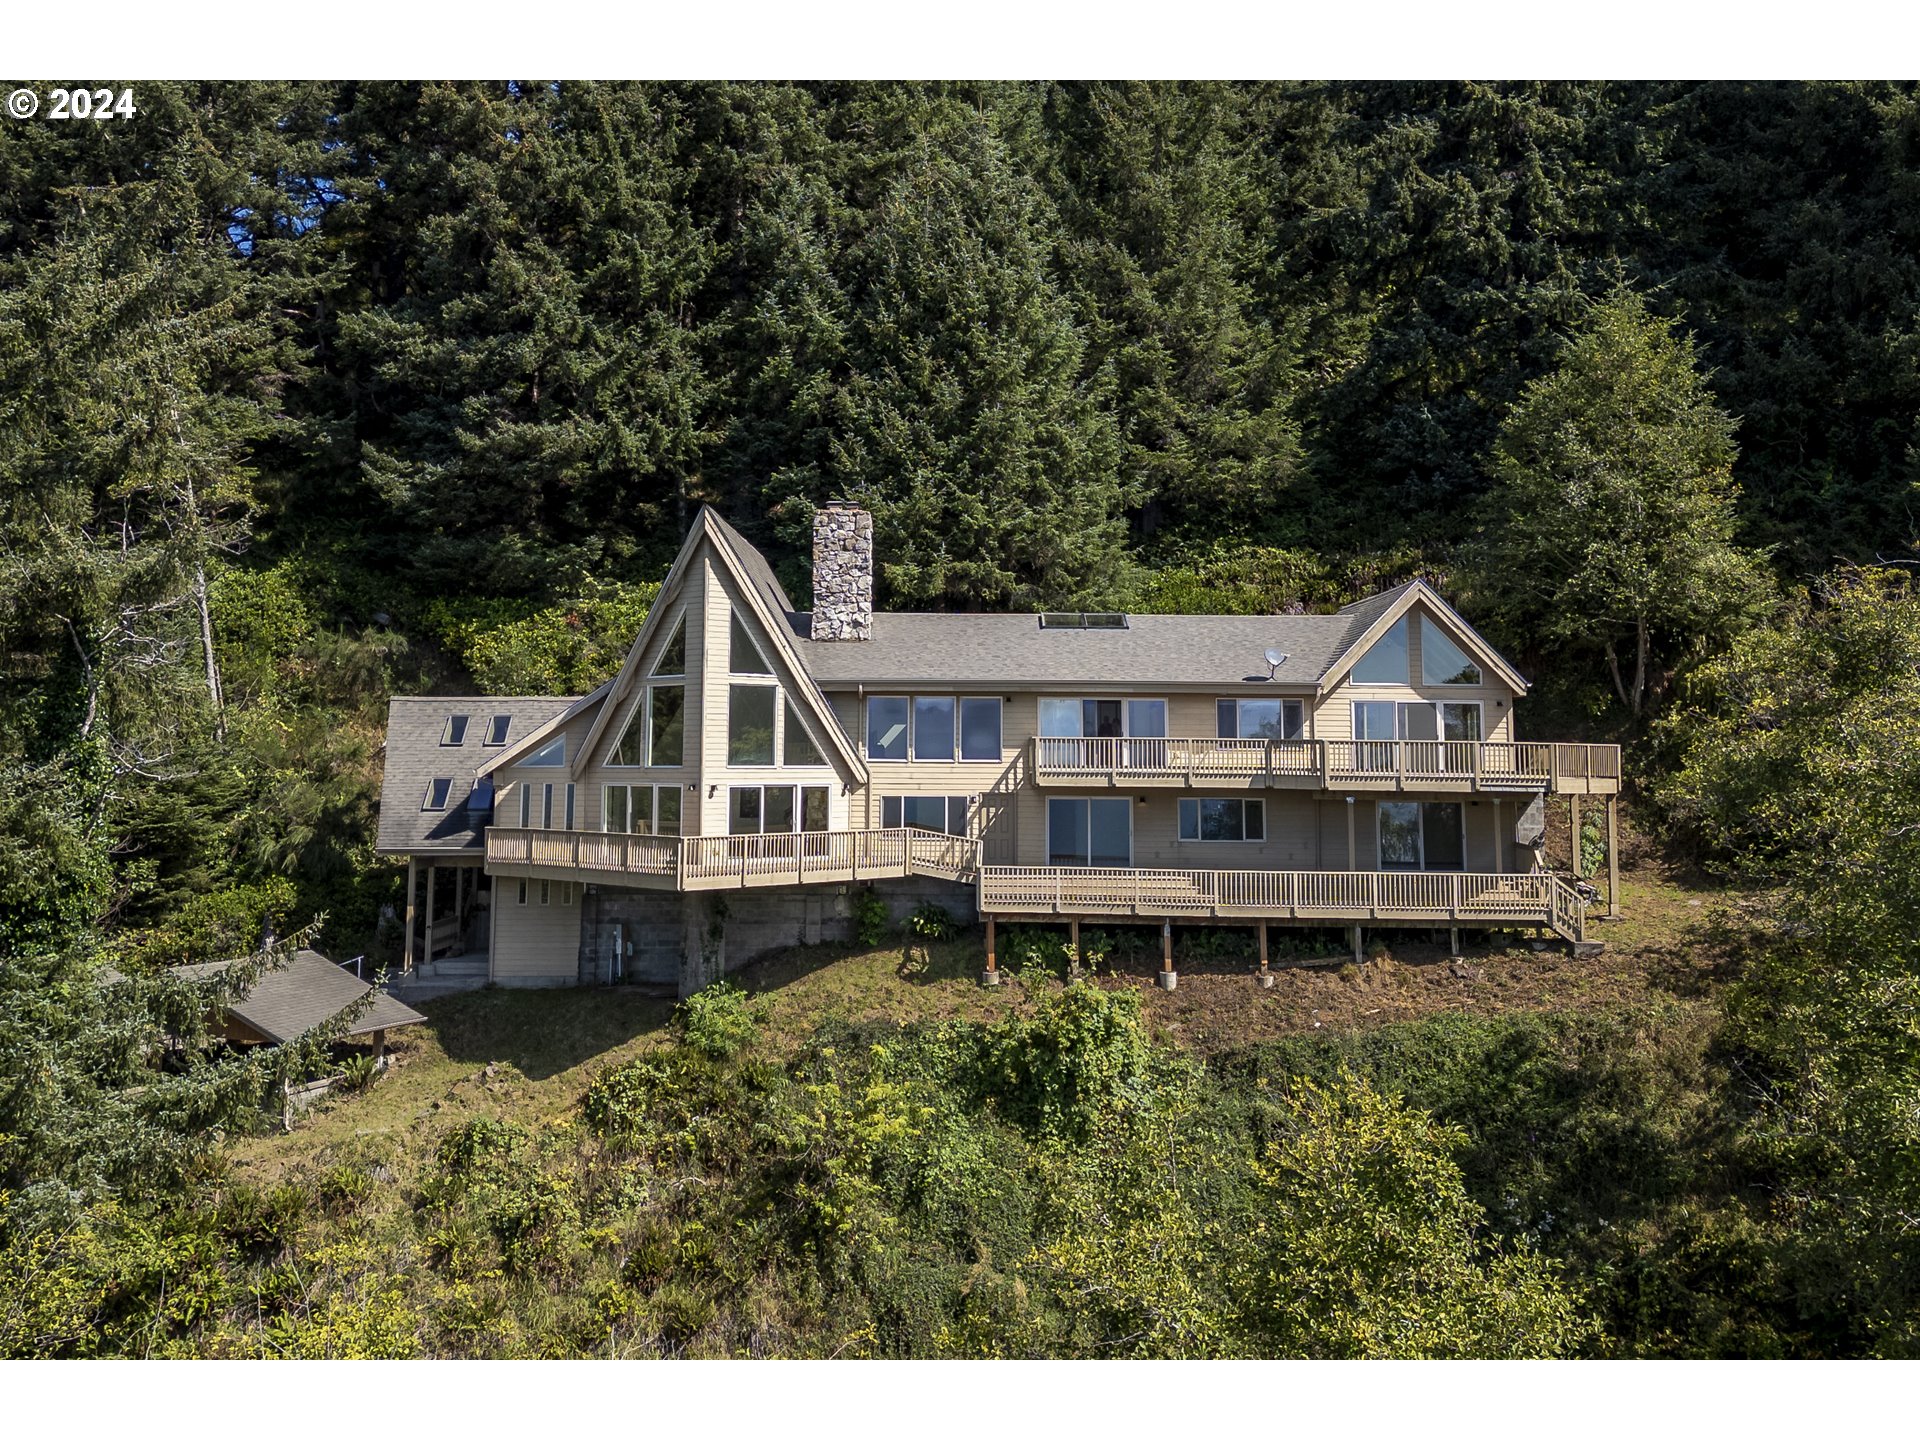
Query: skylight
[
  {"x": 497, "y": 729},
  {"x": 456, "y": 731},
  {"x": 1083, "y": 620}
]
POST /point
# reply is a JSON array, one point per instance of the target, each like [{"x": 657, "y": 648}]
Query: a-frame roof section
[
  {"x": 535, "y": 738},
  {"x": 754, "y": 578},
  {"x": 773, "y": 612},
  {"x": 1376, "y": 615}
]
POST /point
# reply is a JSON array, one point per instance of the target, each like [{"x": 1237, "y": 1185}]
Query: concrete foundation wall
[{"x": 670, "y": 939}]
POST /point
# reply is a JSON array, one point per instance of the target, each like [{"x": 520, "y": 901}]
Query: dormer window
[
  {"x": 554, "y": 752},
  {"x": 456, "y": 731},
  {"x": 438, "y": 789},
  {"x": 497, "y": 729}
]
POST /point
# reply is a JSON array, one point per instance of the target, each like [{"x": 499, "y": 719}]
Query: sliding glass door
[{"x": 1417, "y": 835}]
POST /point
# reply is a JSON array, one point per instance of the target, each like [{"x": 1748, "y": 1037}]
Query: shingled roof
[
  {"x": 963, "y": 649},
  {"x": 416, "y": 725},
  {"x": 308, "y": 990}
]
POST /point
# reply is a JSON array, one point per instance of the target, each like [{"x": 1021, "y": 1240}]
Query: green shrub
[
  {"x": 484, "y": 1152},
  {"x": 719, "y": 1021},
  {"x": 870, "y": 923},
  {"x": 933, "y": 921},
  {"x": 1083, "y": 1054}
]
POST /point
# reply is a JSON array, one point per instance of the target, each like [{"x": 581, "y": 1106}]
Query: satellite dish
[{"x": 1275, "y": 659}]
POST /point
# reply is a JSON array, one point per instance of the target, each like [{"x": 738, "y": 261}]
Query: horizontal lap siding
[
  {"x": 1333, "y": 720},
  {"x": 596, "y": 774},
  {"x": 1304, "y": 832},
  {"x": 534, "y": 943}
]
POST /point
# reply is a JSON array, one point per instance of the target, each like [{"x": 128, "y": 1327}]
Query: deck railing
[
  {"x": 1532, "y": 898},
  {"x": 700, "y": 862},
  {"x": 1464, "y": 764}
]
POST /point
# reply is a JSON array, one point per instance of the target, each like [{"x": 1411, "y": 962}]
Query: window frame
[
  {"x": 1089, "y": 801},
  {"x": 448, "y": 739},
  {"x": 444, "y": 784},
  {"x": 790, "y": 717},
  {"x": 951, "y": 805},
  {"x": 736, "y": 633},
  {"x": 1249, "y": 805},
  {"x": 555, "y": 747},
  {"x": 1230, "y": 705},
  {"x": 1427, "y": 624},
  {"x": 1405, "y": 630},
  {"x": 760, "y": 791},
  {"x": 497, "y": 731},
  {"x": 952, "y": 703},
  {"x": 679, "y": 637},
  {"x": 735, "y": 689},
  {"x": 906, "y": 730},
  {"x": 653, "y": 738}
]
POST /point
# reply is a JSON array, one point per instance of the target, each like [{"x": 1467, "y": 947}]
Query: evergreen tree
[
  {"x": 1609, "y": 530},
  {"x": 963, "y": 418}
]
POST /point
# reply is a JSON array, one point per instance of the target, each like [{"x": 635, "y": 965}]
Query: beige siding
[
  {"x": 595, "y": 773},
  {"x": 1333, "y": 720},
  {"x": 534, "y": 943},
  {"x": 1305, "y": 831},
  {"x": 717, "y": 776}
]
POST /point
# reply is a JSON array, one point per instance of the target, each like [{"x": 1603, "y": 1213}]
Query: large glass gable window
[
  {"x": 1386, "y": 662},
  {"x": 743, "y": 656},
  {"x": 667, "y": 706},
  {"x": 554, "y": 752},
  {"x": 800, "y": 749},
  {"x": 673, "y": 659},
  {"x": 1441, "y": 661},
  {"x": 750, "y": 724}
]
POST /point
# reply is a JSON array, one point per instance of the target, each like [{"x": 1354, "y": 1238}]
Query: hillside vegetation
[{"x": 314, "y": 393}]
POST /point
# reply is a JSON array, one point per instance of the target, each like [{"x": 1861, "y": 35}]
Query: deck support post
[
  {"x": 1573, "y": 822},
  {"x": 1613, "y": 857},
  {"x": 991, "y": 975},
  {"x": 1499, "y": 841},
  {"x": 379, "y": 1046},
  {"x": 1453, "y": 940},
  {"x": 1359, "y": 954},
  {"x": 406, "y": 953},
  {"x": 1265, "y": 976},
  {"x": 1073, "y": 949},
  {"x": 1352, "y": 853},
  {"x": 1168, "y": 979}
]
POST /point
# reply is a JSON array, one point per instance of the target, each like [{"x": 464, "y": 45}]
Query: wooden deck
[
  {"x": 1525, "y": 767},
  {"x": 719, "y": 862},
  {"x": 1330, "y": 896}
]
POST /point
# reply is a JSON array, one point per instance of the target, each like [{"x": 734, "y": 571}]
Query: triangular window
[
  {"x": 630, "y": 748},
  {"x": 554, "y": 752},
  {"x": 1441, "y": 661},
  {"x": 744, "y": 657},
  {"x": 800, "y": 747},
  {"x": 673, "y": 659},
  {"x": 1385, "y": 663}
]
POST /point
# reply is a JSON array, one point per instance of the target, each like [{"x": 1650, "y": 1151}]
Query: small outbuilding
[{"x": 308, "y": 990}]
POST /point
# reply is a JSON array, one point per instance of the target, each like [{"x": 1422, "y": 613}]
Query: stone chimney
[{"x": 842, "y": 572}]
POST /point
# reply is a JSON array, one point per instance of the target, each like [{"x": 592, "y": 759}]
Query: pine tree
[{"x": 1609, "y": 530}]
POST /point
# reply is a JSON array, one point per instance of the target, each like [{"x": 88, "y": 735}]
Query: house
[{"x": 752, "y": 764}]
